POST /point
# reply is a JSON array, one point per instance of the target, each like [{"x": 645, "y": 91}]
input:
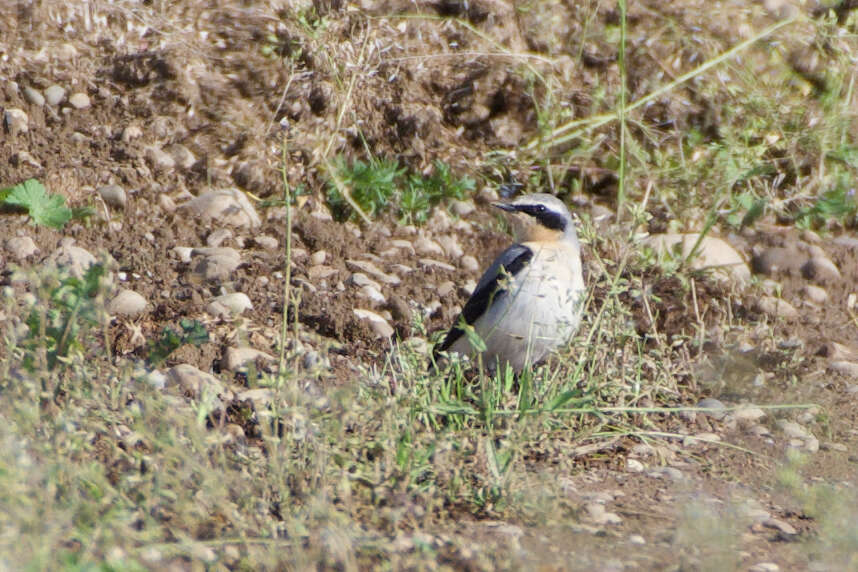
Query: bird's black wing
[{"x": 510, "y": 262}]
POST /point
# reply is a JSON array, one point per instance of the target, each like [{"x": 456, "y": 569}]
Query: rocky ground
[{"x": 178, "y": 123}]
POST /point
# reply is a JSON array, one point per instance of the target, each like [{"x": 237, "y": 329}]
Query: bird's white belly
[{"x": 539, "y": 312}]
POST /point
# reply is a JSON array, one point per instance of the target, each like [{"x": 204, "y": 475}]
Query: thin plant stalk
[{"x": 621, "y": 113}]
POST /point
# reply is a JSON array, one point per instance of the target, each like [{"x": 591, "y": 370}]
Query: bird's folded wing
[{"x": 489, "y": 289}]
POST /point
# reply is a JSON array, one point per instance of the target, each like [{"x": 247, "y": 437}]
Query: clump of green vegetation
[
  {"x": 70, "y": 308},
  {"x": 379, "y": 184},
  {"x": 192, "y": 332},
  {"x": 32, "y": 197}
]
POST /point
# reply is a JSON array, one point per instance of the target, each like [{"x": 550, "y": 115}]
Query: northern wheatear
[{"x": 529, "y": 301}]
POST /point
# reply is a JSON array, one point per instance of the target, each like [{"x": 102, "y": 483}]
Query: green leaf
[{"x": 43, "y": 208}]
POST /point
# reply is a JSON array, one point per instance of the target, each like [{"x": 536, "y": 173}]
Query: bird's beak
[{"x": 505, "y": 206}]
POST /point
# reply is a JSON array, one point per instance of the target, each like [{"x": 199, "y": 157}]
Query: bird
[{"x": 530, "y": 300}]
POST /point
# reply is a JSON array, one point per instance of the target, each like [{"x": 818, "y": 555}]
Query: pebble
[
  {"x": 637, "y": 539},
  {"x": 428, "y": 247},
  {"x": 446, "y": 288},
  {"x": 159, "y": 159},
  {"x": 599, "y": 515},
  {"x": 462, "y": 208},
  {"x": 747, "y": 415},
  {"x": 260, "y": 397},
  {"x": 16, "y": 121},
  {"x": 182, "y": 156},
  {"x": 469, "y": 263},
  {"x": 267, "y": 242},
  {"x": 715, "y": 407},
  {"x": 74, "y": 259},
  {"x": 764, "y": 567},
  {"x": 777, "y": 260},
  {"x": 229, "y": 305},
  {"x": 216, "y": 263},
  {"x": 235, "y": 359},
  {"x": 321, "y": 272},
  {"x": 792, "y": 429},
  {"x": 318, "y": 257},
  {"x": 845, "y": 368},
  {"x": 634, "y": 466},
  {"x": 373, "y": 294},
  {"x": 712, "y": 253},
  {"x": 21, "y": 247},
  {"x": 780, "y": 526},
  {"x": 776, "y": 307},
  {"x": 372, "y": 269},
  {"x": 55, "y": 95},
  {"x": 183, "y": 253},
  {"x": 113, "y": 195},
  {"x": 667, "y": 473},
  {"x": 130, "y": 133},
  {"x": 34, "y": 96},
  {"x": 432, "y": 263},
  {"x": 403, "y": 245},
  {"x": 194, "y": 382},
  {"x": 820, "y": 269},
  {"x": 127, "y": 303},
  {"x": 814, "y": 294},
  {"x": 79, "y": 100},
  {"x": 837, "y": 352},
  {"x": 218, "y": 237},
  {"x": 380, "y": 327},
  {"x": 361, "y": 279},
  {"x": 227, "y": 206},
  {"x": 700, "y": 439},
  {"x": 24, "y": 158},
  {"x": 451, "y": 246},
  {"x": 399, "y": 309}
]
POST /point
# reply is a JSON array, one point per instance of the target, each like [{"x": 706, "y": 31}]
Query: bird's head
[{"x": 539, "y": 217}]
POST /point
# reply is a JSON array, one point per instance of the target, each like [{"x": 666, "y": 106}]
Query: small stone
[
  {"x": 159, "y": 159},
  {"x": 403, "y": 245},
  {"x": 599, "y": 515},
  {"x": 74, "y": 259},
  {"x": 451, "y": 246},
  {"x": 373, "y": 294},
  {"x": 227, "y": 206},
  {"x": 432, "y": 263},
  {"x": 34, "y": 96},
  {"x": 216, "y": 263},
  {"x": 113, "y": 195},
  {"x": 16, "y": 121},
  {"x": 235, "y": 359},
  {"x": 845, "y": 368},
  {"x": 637, "y": 539},
  {"x": 183, "y": 253},
  {"x": 229, "y": 305},
  {"x": 380, "y": 327},
  {"x": 127, "y": 303},
  {"x": 79, "y": 100},
  {"x": 182, "y": 156},
  {"x": 829, "y": 446},
  {"x": 267, "y": 242},
  {"x": 634, "y": 466},
  {"x": 715, "y": 407},
  {"x": 469, "y": 263},
  {"x": 820, "y": 269},
  {"x": 21, "y": 247},
  {"x": 218, "y": 237},
  {"x": 792, "y": 429},
  {"x": 701, "y": 439},
  {"x": 748, "y": 415},
  {"x": 318, "y": 257},
  {"x": 781, "y": 526},
  {"x": 462, "y": 208},
  {"x": 130, "y": 133},
  {"x": 764, "y": 567},
  {"x": 670, "y": 473},
  {"x": 777, "y": 260},
  {"x": 712, "y": 252},
  {"x": 321, "y": 272},
  {"x": 776, "y": 307},
  {"x": 399, "y": 309},
  {"x": 446, "y": 288},
  {"x": 55, "y": 95},
  {"x": 361, "y": 279},
  {"x": 22, "y": 157},
  {"x": 373, "y": 270},
  {"x": 427, "y": 247},
  {"x": 814, "y": 294},
  {"x": 167, "y": 204},
  {"x": 194, "y": 382},
  {"x": 260, "y": 397}
]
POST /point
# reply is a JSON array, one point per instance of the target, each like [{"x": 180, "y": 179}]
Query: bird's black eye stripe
[{"x": 546, "y": 217}]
